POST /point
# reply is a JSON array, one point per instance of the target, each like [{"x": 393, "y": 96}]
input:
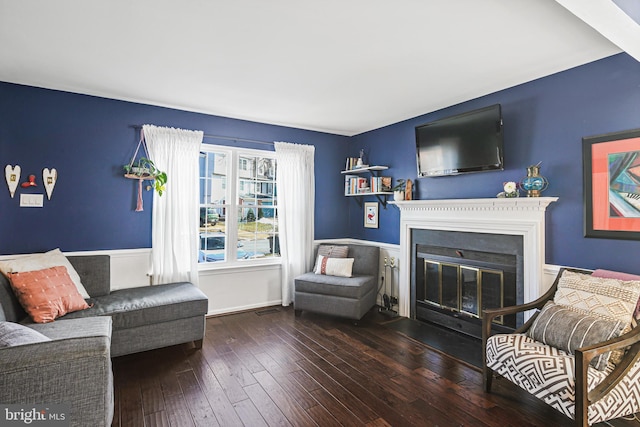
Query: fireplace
[
  {"x": 521, "y": 219},
  {"x": 455, "y": 275}
]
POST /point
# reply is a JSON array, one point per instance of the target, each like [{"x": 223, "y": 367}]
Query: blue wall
[
  {"x": 544, "y": 120},
  {"x": 88, "y": 139}
]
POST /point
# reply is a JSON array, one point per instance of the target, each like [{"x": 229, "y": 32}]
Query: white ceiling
[{"x": 339, "y": 66}]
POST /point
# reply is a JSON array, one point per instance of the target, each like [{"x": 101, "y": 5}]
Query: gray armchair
[
  {"x": 74, "y": 368},
  {"x": 349, "y": 297}
]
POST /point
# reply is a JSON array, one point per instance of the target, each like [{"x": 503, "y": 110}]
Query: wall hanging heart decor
[
  {"x": 49, "y": 178},
  {"x": 12, "y": 175}
]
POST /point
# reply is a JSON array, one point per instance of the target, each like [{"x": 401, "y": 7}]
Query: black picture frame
[{"x": 610, "y": 163}]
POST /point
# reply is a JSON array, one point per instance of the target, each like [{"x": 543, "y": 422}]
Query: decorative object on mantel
[
  {"x": 408, "y": 191},
  {"x": 534, "y": 183},
  {"x": 398, "y": 190},
  {"x": 31, "y": 182},
  {"x": 12, "y": 175},
  {"x": 511, "y": 189},
  {"x": 144, "y": 169},
  {"x": 49, "y": 179}
]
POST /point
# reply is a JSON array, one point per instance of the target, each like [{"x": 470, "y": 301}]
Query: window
[{"x": 238, "y": 206}]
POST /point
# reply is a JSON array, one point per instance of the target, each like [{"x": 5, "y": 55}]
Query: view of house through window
[{"x": 238, "y": 205}]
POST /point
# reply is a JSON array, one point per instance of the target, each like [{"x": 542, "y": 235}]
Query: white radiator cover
[{"x": 524, "y": 216}]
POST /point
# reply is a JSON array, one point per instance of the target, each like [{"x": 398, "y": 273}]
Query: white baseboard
[{"x": 239, "y": 309}]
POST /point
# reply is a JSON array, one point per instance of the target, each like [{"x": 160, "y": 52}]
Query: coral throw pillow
[{"x": 47, "y": 294}]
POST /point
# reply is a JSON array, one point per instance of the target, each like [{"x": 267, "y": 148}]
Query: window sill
[{"x": 240, "y": 265}]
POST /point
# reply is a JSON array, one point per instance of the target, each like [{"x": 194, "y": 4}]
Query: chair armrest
[
  {"x": 74, "y": 368},
  {"x": 584, "y": 355},
  {"x": 491, "y": 313}
]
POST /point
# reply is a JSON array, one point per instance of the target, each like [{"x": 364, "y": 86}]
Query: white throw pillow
[
  {"x": 334, "y": 266},
  {"x": 53, "y": 258}
]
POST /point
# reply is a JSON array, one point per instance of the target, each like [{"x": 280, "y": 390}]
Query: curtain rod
[{"x": 228, "y": 138}]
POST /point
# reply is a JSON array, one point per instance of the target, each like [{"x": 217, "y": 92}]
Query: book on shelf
[{"x": 352, "y": 164}]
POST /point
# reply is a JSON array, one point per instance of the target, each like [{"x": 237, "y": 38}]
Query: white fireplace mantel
[{"x": 524, "y": 216}]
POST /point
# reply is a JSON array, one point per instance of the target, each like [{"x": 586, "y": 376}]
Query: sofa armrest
[
  {"x": 96, "y": 326},
  {"x": 74, "y": 368}
]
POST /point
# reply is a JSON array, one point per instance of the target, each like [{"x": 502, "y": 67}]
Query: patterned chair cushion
[
  {"x": 549, "y": 374},
  {"x": 598, "y": 296},
  {"x": 565, "y": 329}
]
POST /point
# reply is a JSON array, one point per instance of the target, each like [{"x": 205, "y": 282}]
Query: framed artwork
[
  {"x": 371, "y": 214},
  {"x": 611, "y": 166}
]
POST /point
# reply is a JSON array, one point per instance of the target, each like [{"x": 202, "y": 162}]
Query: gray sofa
[
  {"x": 75, "y": 366},
  {"x": 349, "y": 297}
]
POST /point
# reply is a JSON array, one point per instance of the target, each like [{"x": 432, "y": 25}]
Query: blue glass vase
[{"x": 534, "y": 183}]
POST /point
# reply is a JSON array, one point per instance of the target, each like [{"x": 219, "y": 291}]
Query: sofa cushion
[
  {"x": 347, "y": 287},
  {"x": 47, "y": 294},
  {"x": 12, "y": 334},
  {"x": 10, "y": 308},
  {"x": 334, "y": 266},
  {"x": 563, "y": 328},
  {"x": 331, "y": 251},
  {"x": 130, "y": 308},
  {"x": 53, "y": 258}
]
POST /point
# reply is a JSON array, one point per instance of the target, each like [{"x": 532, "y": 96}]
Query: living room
[{"x": 88, "y": 136}]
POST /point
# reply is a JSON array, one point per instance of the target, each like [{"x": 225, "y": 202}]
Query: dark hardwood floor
[{"x": 268, "y": 367}]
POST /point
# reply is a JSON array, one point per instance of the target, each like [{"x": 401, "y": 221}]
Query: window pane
[
  {"x": 212, "y": 247},
  {"x": 252, "y": 240},
  {"x": 218, "y": 174},
  {"x": 212, "y": 232}
]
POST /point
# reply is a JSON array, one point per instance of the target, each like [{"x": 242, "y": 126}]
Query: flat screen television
[{"x": 468, "y": 142}]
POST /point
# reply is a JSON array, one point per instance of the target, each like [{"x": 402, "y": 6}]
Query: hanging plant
[{"x": 145, "y": 169}]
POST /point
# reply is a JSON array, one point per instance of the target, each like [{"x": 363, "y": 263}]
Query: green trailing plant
[
  {"x": 146, "y": 169},
  {"x": 400, "y": 185}
]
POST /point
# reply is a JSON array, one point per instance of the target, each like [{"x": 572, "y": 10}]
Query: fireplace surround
[
  {"x": 455, "y": 275},
  {"x": 521, "y": 216}
]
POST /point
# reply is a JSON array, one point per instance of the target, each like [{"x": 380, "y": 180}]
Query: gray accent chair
[{"x": 348, "y": 297}]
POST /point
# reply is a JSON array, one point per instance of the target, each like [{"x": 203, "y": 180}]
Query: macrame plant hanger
[{"x": 141, "y": 176}]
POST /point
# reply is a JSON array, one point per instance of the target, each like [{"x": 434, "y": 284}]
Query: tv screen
[{"x": 468, "y": 142}]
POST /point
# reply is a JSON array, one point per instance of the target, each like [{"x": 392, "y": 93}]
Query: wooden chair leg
[
  {"x": 487, "y": 379},
  {"x": 198, "y": 344}
]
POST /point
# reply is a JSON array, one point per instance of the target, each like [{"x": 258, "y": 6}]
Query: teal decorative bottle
[{"x": 534, "y": 183}]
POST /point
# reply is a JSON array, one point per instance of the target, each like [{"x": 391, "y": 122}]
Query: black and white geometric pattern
[{"x": 549, "y": 374}]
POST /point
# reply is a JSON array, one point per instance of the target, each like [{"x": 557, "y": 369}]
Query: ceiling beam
[{"x": 609, "y": 20}]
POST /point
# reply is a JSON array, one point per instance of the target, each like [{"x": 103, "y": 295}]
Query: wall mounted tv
[{"x": 468, "y": 142}]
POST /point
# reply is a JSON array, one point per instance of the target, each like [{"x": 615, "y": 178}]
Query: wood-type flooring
[{"x": 269, "y": 368}]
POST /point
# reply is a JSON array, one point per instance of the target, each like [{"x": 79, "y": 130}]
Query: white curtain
[
  {"x": 296, "y": 202},
  {"x": 174, "y": 237}
]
